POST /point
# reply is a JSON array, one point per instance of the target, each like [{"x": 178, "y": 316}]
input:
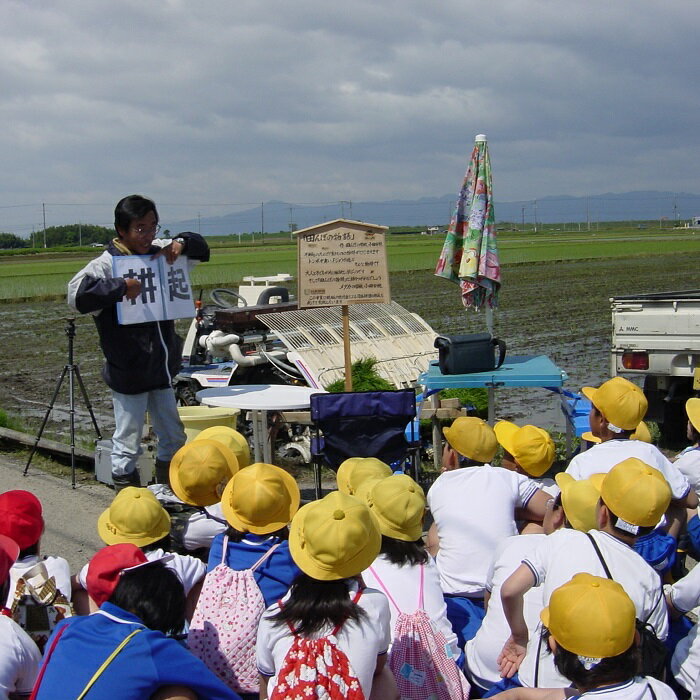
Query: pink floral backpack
[
  {"x": 418, "y": 657},
  {"x": 224, "y": 626},
  {"x": 316, "y": 668}
]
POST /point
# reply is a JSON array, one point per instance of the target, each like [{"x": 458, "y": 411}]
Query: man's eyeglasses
[{"x": 141, "y": 230}]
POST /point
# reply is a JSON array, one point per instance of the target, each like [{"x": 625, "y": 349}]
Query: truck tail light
[{"x": 635, "y": 360}]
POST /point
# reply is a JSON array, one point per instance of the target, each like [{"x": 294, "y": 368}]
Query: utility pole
[
  {"x": 522, "y": 215},
  {"x": 675, "y": 208},
  {"x": 588, "y": 214},
  {"x": 43, "y": 209},
  {"x": 535, "y": 216},
  {"x": 262, "y": 221},
  {"x": 199, "y": 223}
]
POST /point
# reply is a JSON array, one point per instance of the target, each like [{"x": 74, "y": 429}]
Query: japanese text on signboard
[{"x": 342, "y": 266}]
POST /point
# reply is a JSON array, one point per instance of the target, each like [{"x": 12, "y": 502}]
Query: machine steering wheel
[{"x": 216, "y": 296}]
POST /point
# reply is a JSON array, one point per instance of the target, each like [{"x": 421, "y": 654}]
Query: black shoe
[
  {"x": 163, "y": 471},
  {"x": 123, "y": 480}
]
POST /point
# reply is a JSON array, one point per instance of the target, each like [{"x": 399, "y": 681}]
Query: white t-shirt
[
  {"x": 189, "y": 570},
  {"x": 635, "y": 689},
  {"x": 546, "y": 484},
  {"x": 473, "y": 508},
  {"x": 403, "y": 583},
  {"x": 567, "y": 552},
  {"x": 19, "y": 659},
  {"x": 483, "y": 650},
  {"x": 688, "y": 463},
  {"x": 362, "y": 642},
  {"x": 685, "y": 662},
  {"x": 601, "y": 458},
  {"x": 55, "y": 566},
  {"x": 199, "y": 530}
]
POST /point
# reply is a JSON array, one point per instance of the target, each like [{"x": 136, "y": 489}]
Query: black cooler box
[{"x": 462, "y": 354}]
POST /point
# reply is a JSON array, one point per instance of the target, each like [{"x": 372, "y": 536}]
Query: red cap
[
  {"x": 21, "y": 517},
  {"x": 106, "y": 567},
  {"x": 9, "y": 551}
]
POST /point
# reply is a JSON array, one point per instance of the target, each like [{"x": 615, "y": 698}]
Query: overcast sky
[{"x": 234, "y": 102}]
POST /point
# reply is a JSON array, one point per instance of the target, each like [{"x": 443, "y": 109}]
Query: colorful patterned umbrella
[{"x": 469, "y": 255}]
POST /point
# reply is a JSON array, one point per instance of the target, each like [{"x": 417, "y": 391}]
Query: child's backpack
[
  {"x": 224, "y": 625},
  {"x": 38, "y": 606},
  {"x": 316, "y": 668},
  {"x": 419, "y": 658}
]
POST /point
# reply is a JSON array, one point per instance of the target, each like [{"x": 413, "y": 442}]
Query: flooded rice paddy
[{"x": 560, "y": 309}]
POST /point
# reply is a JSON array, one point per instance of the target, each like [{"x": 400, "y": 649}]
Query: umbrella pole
[{"x": 489, "y": 319}]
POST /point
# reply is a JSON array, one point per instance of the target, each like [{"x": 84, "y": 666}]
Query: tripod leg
[
  {"x": 46, "y": 418},
  {"x": 71, "y": 417},
  {"x": 87, "y": 402}
]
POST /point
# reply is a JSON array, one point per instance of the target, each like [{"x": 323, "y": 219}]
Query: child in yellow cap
[
  {"x": 589, "y": 626},
  {"x": 617, "y": 408},
  {"x": 688, "y": 462},
  {"x": 633, "y": 497},
  {"x": 473, "y": 506},
  {"x": 258, "y": 503},
  {"x": 332, "y": 541},
  {"x": 199, "y": 471},
  {"x": 573, "y": 507},
  {"x": 408, "y": 575},
  {"x": 135, "y": 516}
]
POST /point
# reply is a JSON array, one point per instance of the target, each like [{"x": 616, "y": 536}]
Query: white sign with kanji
[{"x": 166, "y": 292}]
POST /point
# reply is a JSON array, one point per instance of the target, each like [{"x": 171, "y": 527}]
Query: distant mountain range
[{"x": 436, "y": 211}]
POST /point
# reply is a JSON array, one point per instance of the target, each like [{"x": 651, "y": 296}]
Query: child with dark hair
[
  {"x": 122, "y": 650},
  {"x": 590, "y": 629},
  {"x": 328, "y": 610}
]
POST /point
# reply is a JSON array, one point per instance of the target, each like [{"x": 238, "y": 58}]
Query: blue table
[{"x": 536, "y": 371}]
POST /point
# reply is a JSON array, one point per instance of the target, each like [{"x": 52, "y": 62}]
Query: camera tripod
[{"x": 73, "y": 371}]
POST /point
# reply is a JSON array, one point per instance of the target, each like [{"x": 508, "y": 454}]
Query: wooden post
[{"x": 346, "y": 347}]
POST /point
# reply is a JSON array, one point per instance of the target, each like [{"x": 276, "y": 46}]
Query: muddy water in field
[{"x": 558, "y": 309}]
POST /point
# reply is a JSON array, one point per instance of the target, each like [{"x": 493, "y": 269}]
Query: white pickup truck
[{"x": 657, "y": 337}]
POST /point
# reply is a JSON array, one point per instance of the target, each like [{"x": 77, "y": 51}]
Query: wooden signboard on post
[{"x": 342, "y": 262}]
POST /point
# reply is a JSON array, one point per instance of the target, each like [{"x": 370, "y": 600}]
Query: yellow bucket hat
[
  {"x": 532, "y": 447},
  {"x": 353, "y": 471},
  {"x": 472, "y": 438},
  {"x": 334, "y": 538},
  {"x": 636, "y": 493},
  {"x": 230, "y": 438},
  {"x": 199, "y": 471},
  {"x": 261, "y": 498},
  {"x": 398, "y": 503},
  {"x": 579, "y": 500},
  {"x": 592, "y": 617},
  {"x": 135, "y": 516},
  {"x": 620, "y": 401},
  {"x": 692, "y": 408}
]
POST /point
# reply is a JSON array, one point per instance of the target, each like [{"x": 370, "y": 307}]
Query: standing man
[{"x": 140, "y": 359}]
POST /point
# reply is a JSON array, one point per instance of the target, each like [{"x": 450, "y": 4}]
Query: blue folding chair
[{"x": 362, "y": 424}]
